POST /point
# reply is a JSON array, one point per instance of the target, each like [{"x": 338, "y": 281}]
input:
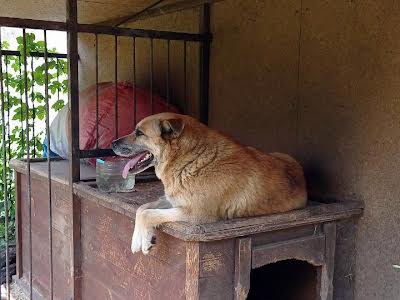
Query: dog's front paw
[
  {"x": 136, "y": 244},
  {"x": 148, "y": 242}
]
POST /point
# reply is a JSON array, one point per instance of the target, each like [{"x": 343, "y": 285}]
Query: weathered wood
[
  {"x": 40, "y": 241},
  {"x": 325, "y": 273},
  {"x": 157, "y": 11},
  {"x": 310, "y": 249},
  {"x": 264, "y": 238},
  {"x": 242, "y": 268},
  {"x": 127, "y": 204},
  {"x": 18, "y": 227},
  {"x": 143, "y": 33},
  {"x": 217, "y": 269},
  {"x": 192, "y": 270},
  {"x": 182, "y": 264}
]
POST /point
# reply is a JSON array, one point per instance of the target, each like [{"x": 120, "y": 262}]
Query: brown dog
[{"x": 206, "y": 175}]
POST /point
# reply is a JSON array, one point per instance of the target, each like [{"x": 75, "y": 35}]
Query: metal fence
[{"x": 28, "y": 135}]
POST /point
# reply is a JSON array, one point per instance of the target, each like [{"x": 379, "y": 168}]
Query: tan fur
[{"x": 207, "y": 176}]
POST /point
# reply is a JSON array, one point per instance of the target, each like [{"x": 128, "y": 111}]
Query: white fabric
[{"x": 58, "y": 133}]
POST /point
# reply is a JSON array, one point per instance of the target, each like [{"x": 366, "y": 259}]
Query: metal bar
[
  {"x": 3, "y": 132},
  {"x": 21, "y": 154},
  {"x": 168, "y": 72},
  {"x": 96, "y": 153},
  {"x": 204, "y": 64},
  {"x": 151, "y": 75},
  {"x": 97, "y": 91},
  {"x": 138, "y": 14},
  {"x": 185, "y": 101},
  {"x": 46, "y": 90},
  {"x": 8, "y": 123},
  {"x": 73, "y": 88},
  {"x": 160, "y": 10},
  {"x": 73, "y": 76},
  {"x": 33, "y": 108},
  {"x": 29, "y": 188},
  {"x": 134, "y": 83},
  {"x": 32, "y": 24},
  {"x": 34, "y": 54},
  {"x": 116, "y": 84},
  {"x": 144, "y": 33}
]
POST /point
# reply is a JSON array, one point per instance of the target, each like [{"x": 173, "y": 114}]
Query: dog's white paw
[
  {"x": 136, "y": 244},
  {"x": 148, "y": 241}
]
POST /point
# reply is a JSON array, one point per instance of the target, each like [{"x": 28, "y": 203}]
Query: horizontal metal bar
[
  {"x": 34, "y": 54},
  {"x": 32, "y": 24},
  {"x": 144, "y": 33},
  {"x": 96, "y": 153}
]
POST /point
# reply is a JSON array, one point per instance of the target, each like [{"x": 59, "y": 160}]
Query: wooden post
[
  {"x": 192, "y": 270},
  {"x": 325, "y": 272},
  {"x": 242, "y": 268}
]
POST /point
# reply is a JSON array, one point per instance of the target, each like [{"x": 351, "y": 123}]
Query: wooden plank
[
  {"x": 157, "y": 11},
  {"x": 192, "y": 270},
  {"x": 242, "y": 268},
  {"x": 41, "y": 266},
  {"x": 145, "y": 271},
  {"x": 18, "y": 225},
  {"x": 143, "y": 33},
  {"x": 216, "y": 270},
  {"x": 127, "y": 204},
  {"x": 285, "y": 234},
  {"x": 310, "y": 249},
  {"x": 94, "y": 289},
  {"x": 112, "y": 224},
  {"x": 124, "y": 284},
  {"x": 325, "y": 273},
  {"x": 40, "y": 203}
]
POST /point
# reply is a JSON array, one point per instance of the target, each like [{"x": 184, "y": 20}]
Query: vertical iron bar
[
  {"x": 72, "y": 21},
  {"x": 73, "y": 81},
  {"x": 185, "y": 101},
  {"x": 28, "y": 160},
  {"x": 8, "y": 122},
  {"x": 3, "y": 132},
  {"x": 97, "y": 91},
  {"x": 33, "y": 108},
  {"x": 22, "y": 134},
  {"x": 168, "y": 72},
  {"x": 151, "y": 76},
  {"x": 116, "y": 84},
  {"x": 46, "y": 91},
  {"x": 204, "y": 64},
  {"x": 134, "y": 83}
]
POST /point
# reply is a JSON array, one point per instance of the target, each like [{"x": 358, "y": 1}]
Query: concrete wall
[{"x": 319, "y": 79}]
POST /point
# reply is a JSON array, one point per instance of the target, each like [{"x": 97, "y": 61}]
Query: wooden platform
[{"x": 208, "y": 261}]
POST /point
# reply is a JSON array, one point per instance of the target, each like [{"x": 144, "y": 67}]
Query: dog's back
[{"x": 227, "y": 180}]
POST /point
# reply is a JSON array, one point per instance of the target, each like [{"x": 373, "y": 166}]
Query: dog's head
[{"x": 152, "y": 141}]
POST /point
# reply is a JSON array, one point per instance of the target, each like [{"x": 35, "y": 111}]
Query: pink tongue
[{"x": 131, "y": 164}]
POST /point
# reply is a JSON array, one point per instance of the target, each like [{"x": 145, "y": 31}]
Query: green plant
[{"x": 16, "y": 111}]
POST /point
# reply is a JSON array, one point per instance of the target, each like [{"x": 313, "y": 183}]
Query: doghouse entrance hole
[{"x": 284, "y": 280}]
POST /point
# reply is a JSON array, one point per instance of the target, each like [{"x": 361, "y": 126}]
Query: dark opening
[{"x": 284, "y": 280}]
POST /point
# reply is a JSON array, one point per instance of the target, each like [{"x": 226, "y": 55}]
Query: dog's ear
[{"x": 172, "y": 128}]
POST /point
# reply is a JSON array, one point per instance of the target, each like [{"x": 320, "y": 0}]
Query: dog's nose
[{"x": 115, "y": 144}]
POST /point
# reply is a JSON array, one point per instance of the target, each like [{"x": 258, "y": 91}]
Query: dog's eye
[{"x": 138, "y": 133}]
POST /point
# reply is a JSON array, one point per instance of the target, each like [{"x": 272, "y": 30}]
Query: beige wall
[
  {"x": 341, "y": 119},
  {"x": 320, "y": 80}
]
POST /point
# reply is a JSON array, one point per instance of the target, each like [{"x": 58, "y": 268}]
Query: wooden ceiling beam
[{"x": 157, "y": 11}]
